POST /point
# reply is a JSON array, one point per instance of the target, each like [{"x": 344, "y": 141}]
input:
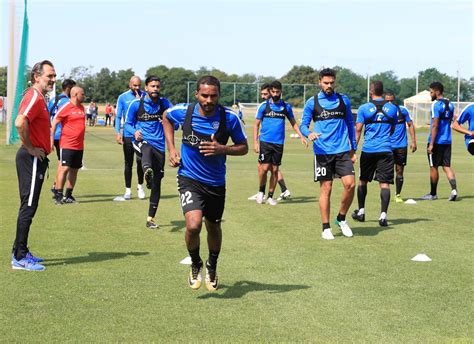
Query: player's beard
[
  {"x": 276, "y": 98},
  {"x": 329, "y": 92},
  {"x": 209, "y": 108},
  {"x": 154, "y": 95},
  {"x": 433, "y": 98}
]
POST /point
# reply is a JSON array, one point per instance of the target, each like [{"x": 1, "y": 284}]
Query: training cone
[
  {"x": 410, "y": 201},
  {"x": 421, "y": 257},
  {"x": 186, "y": 261}
]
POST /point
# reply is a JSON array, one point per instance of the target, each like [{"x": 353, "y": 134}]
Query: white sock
[
  {"x": 140, "y": 186},
  {"x": 128, "y": 190},
  {"x": 383, "y": 215},
  {"x": 361, "y": 211}
]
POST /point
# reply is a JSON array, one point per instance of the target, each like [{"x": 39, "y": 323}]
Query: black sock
[
  {"x": 452, "y": 182},
  {"x": 341, "y": 217},
  {"x": 68, "y": 192},
  {"x": 282, "y": 184},
  {"x": 59, "y": 193},
  {"x": 212, "y": 261},
  {"x": 385, "y": 199},
  {"x": 195, "y": 258},
  {"x": 361, "y": 194},
  {"x": 399, "y": 184},
  {"x": 152, "y": 209},
  {"x": 262, "y": 188},
  {"x": 326, "y": 226},
  {"x": 434, "y": 186},
  {"x": 270, "y": 194}
]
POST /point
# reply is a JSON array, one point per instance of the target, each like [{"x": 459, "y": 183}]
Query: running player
[
  {"x": 127, "y": 137},
  {"x": 72, "y": 118},
  {"x": 334, "y": 146},
  {"x": 145, "y": 116},
  {"x": 400, "y": 143},
  {"x": 439, "y": 142},
  {"x": 207, "y": 126},
  {"x": 33, "y": 125},
  {"x": 53, "y": 106},
  {"x": 269, "y": 144},
  {"x": 467, "y": 115},
  {"x": 379, "y": 118},
  {"x": 285, "y": 193}
]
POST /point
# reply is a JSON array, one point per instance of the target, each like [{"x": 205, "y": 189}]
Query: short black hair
[
  {"x": 208, "y": 80},
  {"x": 327, "y": 72},
  {"x": 38, "y": 69},
  {"x": 437, "y": 86},
  {"x": 390, "y": 93},
  {"x": 276, "y": 84},
  {"x": 152, "y": 78},
  {"x": 68, "y": 83},
  {"x": 378, "y": 87},
  {"x": 265, "y": 86}
]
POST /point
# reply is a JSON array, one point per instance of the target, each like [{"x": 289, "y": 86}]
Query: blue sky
[{"x": 264, "y": 37}]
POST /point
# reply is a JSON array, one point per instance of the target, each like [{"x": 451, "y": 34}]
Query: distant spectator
[{"x": 108, "y": 114}]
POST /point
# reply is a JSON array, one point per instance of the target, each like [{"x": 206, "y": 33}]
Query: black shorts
[
  {"x": 400, "y": 156},
  {"x": 58, "y": 150},
  {"x": 270, "y": 153},
  {"x": 71, "y": 157},
  {"x": 330, "y": 166},
  {"x": 380, "y": 164},
  {"x": 440, "y": 156},
  {"x": 470, "y": 147},
  {"x": 89, "y": 116},
  {"x": 194, "y": 195}
]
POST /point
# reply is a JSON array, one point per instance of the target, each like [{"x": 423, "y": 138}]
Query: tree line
[{"x": 106, "y": 85}]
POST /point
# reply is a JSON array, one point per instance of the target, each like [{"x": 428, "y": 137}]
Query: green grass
[{"x": 109, "y": 279}]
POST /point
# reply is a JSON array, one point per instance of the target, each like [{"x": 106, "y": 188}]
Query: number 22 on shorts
[{"x": 186, "y": 198}]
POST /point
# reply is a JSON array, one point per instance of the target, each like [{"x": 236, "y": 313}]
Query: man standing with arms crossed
[
  {"x": 439, "y": 142},
  {"x": 33, "y": 125},
  {"x": 145, "y": 116},
  {"x": 400, "y": 143},
  {"x": 207, "y": 126},
  {"x": 127, "y": 137},
  {"x": 269, "y": 144},
  {"x": 334, "y": 145},
  {"x": 379, "y": 118},
  {"x": 72, "y": 118}
]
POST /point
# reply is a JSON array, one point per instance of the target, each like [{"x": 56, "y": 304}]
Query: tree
[{"x": 3, "y": 81}]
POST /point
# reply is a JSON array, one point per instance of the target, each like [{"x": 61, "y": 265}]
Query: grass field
[{"x": 109, "y": 279}]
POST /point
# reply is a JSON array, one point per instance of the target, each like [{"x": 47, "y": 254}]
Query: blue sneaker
[
  {"x": 26, "y": 264},
  {"x": 29, "y": 255}
]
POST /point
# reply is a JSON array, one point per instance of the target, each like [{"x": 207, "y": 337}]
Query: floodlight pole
[
  {"x": 368, "y": 87},
  {"x": 416, "y": 92},
  {"x": 258, "y": 92},
  {"x": 11, "y": 72},
  {"x": 304, "y": 94},
  {"x": 234, "y": 93},
  {"x": 187, "y": 101},
  {"x": 459, "y": 90}
]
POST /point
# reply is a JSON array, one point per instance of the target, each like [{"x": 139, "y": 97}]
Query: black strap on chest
[
  {"x": 322, "y": 114},
  {"x": 400, "y": 116},
  {"x": 193, "y": 138},
  {"x": 446, "y": 114},
  {"x": 379, "y": 110},
  {"x": 55, "y": 104},
  {"x": 143, "y": 116},
  {"x": 269, "y": 113}
]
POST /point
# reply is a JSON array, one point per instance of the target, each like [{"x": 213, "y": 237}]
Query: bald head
[
  {"x": 135, "y": 85},
  {"x": 77, "y": 95}
]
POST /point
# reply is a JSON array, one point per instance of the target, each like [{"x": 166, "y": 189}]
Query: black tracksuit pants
[{"x": 31, "y": 174}]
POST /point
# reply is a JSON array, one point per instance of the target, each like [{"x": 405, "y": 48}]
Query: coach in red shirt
[
  {"x": 73, "y": 121},
  {"x": 33, "y": 128}
]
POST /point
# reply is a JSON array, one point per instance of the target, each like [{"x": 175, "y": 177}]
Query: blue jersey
[
  {"x": 337, "y": 130},
  {"x": 123, "y": 102},
  {"x": 377, "y": 126},
  {"x": 148, "y": 122},
  {"x": 63, "y": 99},
  {"x": 399, "y": 136},
  {"x": 273, "y": 120},
  {"x": 209, "y": 170},
  {"x": 445, "y": 116},
  {"x": 467, "y": 115}
]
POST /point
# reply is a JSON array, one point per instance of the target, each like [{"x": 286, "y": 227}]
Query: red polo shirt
[
  {"x": 33, "y": 106},
  {"x": 73, "y": 121}
]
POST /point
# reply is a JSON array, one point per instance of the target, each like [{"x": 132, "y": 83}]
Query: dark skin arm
[
  {"x": 168, "y": 129},
  {"x": 434, "y": 133},
  {"x": 210, "y": 148}
]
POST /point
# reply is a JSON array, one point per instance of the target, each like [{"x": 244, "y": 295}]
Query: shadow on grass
[
  {"x": 92, "y": 257},
  {"x": 109, "y": 198},
  {"x": 241, "y": 288},
  {"x": 176, "y": 225},
  {"x": 376, "y": 229},
  {"x": 299, "y": 199}
]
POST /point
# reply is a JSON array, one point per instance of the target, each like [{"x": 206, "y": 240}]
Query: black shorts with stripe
[
  {"x": 270, "y": 153},
  {"x": 330, "y": 166},
  {"x": 379, "y": 164},
  {"x": 400, "y": 156},
  {"x": 440, "y": 155},
  {"x": 71, "y": 157}
]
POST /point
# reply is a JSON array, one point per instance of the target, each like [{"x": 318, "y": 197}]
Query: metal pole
[
  {"x": 258, "y": 93},
  {"x": 11, "y": 70},
  {"x": 234, "y": 92},
  {"x": 459, "y": 90},
  {"x": 304, "y": 94},
  {"x": 368, "y": 87},
  {"x": 187, "y": 101},
  {"x": 416, "y": 92}
]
